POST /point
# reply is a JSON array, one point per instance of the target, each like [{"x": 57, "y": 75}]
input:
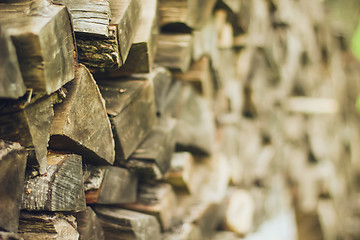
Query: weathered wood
[
  {"x": 130, "y": 225},
  {"x": 12, "y": 165},
  {"x": 157, "y": 200},
  {"x": 186, "y": 231},
  {"x": 39, "y": 226},
  {"x": 81, "y": 124},
  {"x": 162, "y": 83},
  {"x": 43, "y": 37},
  {"x": 131, "y": 107},
  {"x": 174, "y": 51},
  {"x": 61, "y": 188},
  {"x": 191, "y": 13},
  {"x": 109, "y": 185},
  {"x": 10, "y": 236},
  {"x": 88, "y": 225},
  {"x": 11, "y": 81},
  {"x": 28, "y": 122}
]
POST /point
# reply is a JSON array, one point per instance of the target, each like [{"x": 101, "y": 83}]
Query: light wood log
[
  {"x": 88, "y": 225},
  {"x": 43, "y": 37},
  {"x": 131, "y": 107},
  {"x": 125, "y": 224},
  {"x": 12, "y": 165},
  {"x": 81, "y": 124},
  {"x": 61, "y": 188},
  {"x": 11, "y": 81}
]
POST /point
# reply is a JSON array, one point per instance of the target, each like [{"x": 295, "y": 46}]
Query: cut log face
[
  {"x": 43, "y": 37},
  {"x": 12, "y": 173},
  {"x": 131, "y": 107},
  {"x": 39, "y": 226},
  {"x": 124, "y": 224},
  {"x": 110, "y": 185},
  {"x": 11, "y": 81},
  {"x": 61, "y": 188},
  {"x": 81, "y": 124},
  {"x": 174, "y": 51},
  {"x": 89, "y": 226},
  {"x": 158, "y": 200},
  {"x": 28, "y": 122}
]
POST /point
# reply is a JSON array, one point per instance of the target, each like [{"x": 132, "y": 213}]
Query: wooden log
[
  {"x": 124, "y": 224},
  {"x": 81, "y": 124},
  {"x": 11, "y": 81},
  {"x": 131, "y": 107},
  {"x": 191, "y": 13},
  {"x": 28, "y": 122},
  {"x": 158, "y": 200},
  {"x": 109, "y": 185},
  {"x": 43, "y": 37},
  {"x": 172, "y": 99},
  {"x": 186, "y": 231},
  {"x": 39, "y": 226},
  {"x": 230, "y": 5},
  {"x": 61, "y": 188},
  {"x": 174, "y": 51},
  {"x": 162, "y": 83},
  {"x": 12, "y": 165},
  {"x": 88, "y": 225}
]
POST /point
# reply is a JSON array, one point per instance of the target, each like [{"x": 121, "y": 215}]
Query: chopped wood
[
  {"x": 12, "y": 165},
  {"x": 10, "y": 236},
  {"x": 61, "y": 188},
  {"x": 125, "y": 224},
  {"x": 162, "y": 83},
  {"x": 148, "y": 171},
  {"x": 81, "y": 124},
  {"x": 43, "y": 37},
  {"x": 158, "y": 200},
  {"x": 109, "y": 185},
  {"x": 39, "y": 226},
  {"x": 131, "y": 107},
  {"x": 88, "y": 225},
  {"x": 11, "y": 81},
  {"x": 174, "y": 51},
  {"x": 186, "y": 231}
]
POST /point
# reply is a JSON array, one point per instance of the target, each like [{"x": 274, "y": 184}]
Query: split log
[
  {"x": 81, "y": 124},
  {"x": 162, "y": 83},
  {"x": 12, "y": 165},
  {"x": 28, "y": 122},
  {"x": 181, "y": 172},
  {"x": 158, "y": 200},
  {"x": 191, "y": 13},
  {"x": 148, "y": 171},
  {"x": 88, "y": 225},
  {"x": 109, "y": 185},
  {"x": 131, "y": 107},
  {"x": 11, "y": 81},
  {"x": 124, "y": 224},
  {"x": 10, "y": 236},
  {"x": 174, "y": 51},
  {"x": 43, "y": 37},
  {"x": 172, "y": 99},
  {"x": 61, "y": 188},
  {"x": 186, "y": 231},
  {"x": 39, "y": 226}
]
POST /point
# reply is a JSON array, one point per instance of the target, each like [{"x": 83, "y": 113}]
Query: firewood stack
[{"x": 175, "y": 119}]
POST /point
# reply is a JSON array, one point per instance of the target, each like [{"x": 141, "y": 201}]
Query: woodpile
[{"x": 175, "y": 120}]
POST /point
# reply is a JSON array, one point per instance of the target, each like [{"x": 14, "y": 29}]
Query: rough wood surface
[
  {"x": 28, "y": 122},
  {"x": 88, "y": 225},
  {"x": 81, "y": 124},
  {"x": 174, "y": 51},
  {"x": 61, "y": 188},
  {"x": 162, "y": 82},
  {"x": 127, "y": 225},
  {"x": 110, "y": 185},
  {"x": 11, "y": 81},
  {"x": 40, "y": 226},
  {"x": 185, "y": 231},
  {"x": 43, "y": 37},
  {"x": 12, "y": 173},
  {"x": 131, "y": 107},
  {"x": 158, "y": 200},
  {"x": 10, "y": 236}
]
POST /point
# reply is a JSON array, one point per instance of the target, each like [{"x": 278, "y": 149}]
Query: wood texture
[
  {"x": 162, "y": 82},
  {"x": 131, "y": 107},
  {"x": 88, "y": 225},
  {"x": 81, "y": 124},
  {"x": 12, "y": 173},
  {"x": 43, "y": 37},
  {"x": 61, "y": 188},
  {"x": 130, "y": 225},
  {"x": 10, "y": 236},
  {"x": 11, "y": 81},
  {"x": 174, "y": 51},
  {"x": 185, "y": 231},
  {"x": 110, "y": 185},
  {"x": 40, "y": 226}
]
